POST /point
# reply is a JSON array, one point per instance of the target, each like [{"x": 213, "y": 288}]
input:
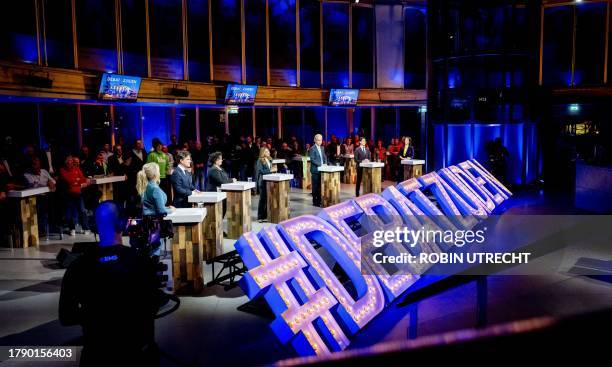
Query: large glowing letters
[
  {"x": 315, "y": 313},
  {"x": 339, "y": 214},
  {"x": 297, "y": 304},
  {"x": 353, "y": 313}
]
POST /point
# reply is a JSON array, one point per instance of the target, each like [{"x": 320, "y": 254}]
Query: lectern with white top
[
  {"x": 188, "y": 250},
  {"x": 277, "y": 185},
  {"x": 413, "y": 168},
  {"x": 213, "y": 223},
  {"x": 372, "y": 177},
  {"x": 238, "y": 207},
  {"x": 330, "y": 185}
]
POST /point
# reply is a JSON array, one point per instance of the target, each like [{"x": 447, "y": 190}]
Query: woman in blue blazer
[{"x": 153, "y": 197}]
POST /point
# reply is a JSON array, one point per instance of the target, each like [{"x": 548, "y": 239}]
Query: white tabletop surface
[
  {"x": 278, "y": 161},
  {"x": 301, "y": 158},
  {"x": 187, "y": 215},
  {"x": 27, "y": 192},
  {"x": 109, "y": 179},
  {"x": 277, "y": 177},
  {"x": 371, "y": 164},
  {"x": 238, "y": 186},
  {"x": 349, "y": 156},
  {"x": 207, "y": 197},
  {"x": 331, "y": 168},
  {"x": 413, "y": 162}
]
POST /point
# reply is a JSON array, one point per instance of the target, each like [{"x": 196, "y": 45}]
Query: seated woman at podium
[{"x": 263, "y": 167}]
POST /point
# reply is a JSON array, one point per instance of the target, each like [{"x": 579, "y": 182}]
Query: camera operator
[{"x": 112, "y": 292}]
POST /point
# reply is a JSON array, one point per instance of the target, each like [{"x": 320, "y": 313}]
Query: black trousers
[
  {"x": 316, "y": 188},
  {"x": 262, "y": 208},
  {"x": 358, "y": 183}
]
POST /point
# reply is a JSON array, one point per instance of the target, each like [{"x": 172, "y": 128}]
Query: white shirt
[
  {"x": 138, "y": 153},
  {"x": 40, "y": 180}
]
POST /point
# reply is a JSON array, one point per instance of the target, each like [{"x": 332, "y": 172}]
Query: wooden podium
[
  {"x": 213, "y": 223},
  {"x": 413, "y": 168},
  {"x": 350, "y": 169},
  {"x": 238, "y": 207},
  {"x": 306, "y": 180},
  {"x": 330, "y": 185},
  {"x": 27, "y": 214},
  {"x": 372, "y": 177},
  {"x": 106, "y": 185},
  {"x": 188, "y": 250},
  {"x": 278, "y": 187}
]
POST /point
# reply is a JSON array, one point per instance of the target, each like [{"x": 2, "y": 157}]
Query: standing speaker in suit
[
  {"x": 317, "y": 159},
  {"x": 362, "y": 155},
  {"x": 182, "y": 180}
]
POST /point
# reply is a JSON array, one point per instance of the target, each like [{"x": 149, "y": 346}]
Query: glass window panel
[
  {"x": 227, "y": 40},
  {"x": 282, "y": 43},
  {"x": 58, "y": 32},
  {"x": 96, "y": 123},
  {"x": 386, "y": 127},
  {"x": 18, "y": 31},
  {"x": 310, "y": 55},
  {"x": 266, "y": 122},
  {"x": 335, "y": 45},
  {"x": 590, "y": 43},
  {"x": 292, "y": 123},
  {"x": 199, "y": 53},
  {"x": 165, "y": 19},
  {"x": 363, "y": 47},
  {"x": 255, "y": 42},
  {"x": 134, "y": 37},
  {"x": 127, "y": 125},
  {"x": 210, "y": 123},
  {"x": 97, "y": 39},
  {"x": 59, "y": 128},
  {"x": 557, "y": 53},
  {"x": 415, "y": 48}
]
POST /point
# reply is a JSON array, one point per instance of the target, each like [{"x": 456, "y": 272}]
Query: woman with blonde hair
[
  {"x": 153, "y": 197},
  {"x": 263, "y": 167}
]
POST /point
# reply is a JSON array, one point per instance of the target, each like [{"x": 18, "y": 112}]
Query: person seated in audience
[
  {"x": 86, "y": 161},
  {"x": 107, "y": 152},
  {"x": 347, "y": 147},
  {"x": 198, "y": 156},
  {"x": 75, "y": 181},
  {"x": 263, "y": 167},
  {"x": 118, "y": 166},
  {"x": 36, "y": 177},
  {"x": 153, "y": 197},
  {"x": 99, "y": 167},
  {"x": 285, "y": 153},
  {"x": 333, "y": 150}
]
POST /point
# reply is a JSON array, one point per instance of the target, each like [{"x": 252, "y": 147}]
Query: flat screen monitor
[
  {"x": 237, "y": 94},
  {"x": 343, "y": 97},
  {"x": 114, "y": 87}
]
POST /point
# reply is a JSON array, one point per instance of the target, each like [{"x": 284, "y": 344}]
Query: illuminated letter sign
[{"x": 287, "y": 265}]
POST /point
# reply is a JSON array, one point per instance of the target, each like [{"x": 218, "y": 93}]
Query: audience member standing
[
  {"x": 160, "y": 158},
  {"x": 75, "y": 181}
]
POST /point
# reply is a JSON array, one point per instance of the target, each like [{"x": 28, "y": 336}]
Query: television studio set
[{"x": 304, "y": 182}]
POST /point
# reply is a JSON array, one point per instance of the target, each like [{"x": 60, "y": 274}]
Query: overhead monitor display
[
  {"x": 343, "y": 97},
  {"x": 240, "y": 94},
  {"x": 114, "y": 87}
]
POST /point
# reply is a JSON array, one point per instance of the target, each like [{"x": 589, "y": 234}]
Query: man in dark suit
[
  {"x": 182, "y": 181},
  {"x": 317, "y": 159},
  {"x": 362, "y": 155}
]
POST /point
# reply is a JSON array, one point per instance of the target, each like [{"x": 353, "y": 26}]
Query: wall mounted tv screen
[
  {"x": 115, "y": 87},
  {"x": 240, "y": 94},
  {"x": 343, "y": 97}
]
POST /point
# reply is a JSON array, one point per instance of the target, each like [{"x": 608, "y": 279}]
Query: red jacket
[{"x": 73, "y": 178}]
